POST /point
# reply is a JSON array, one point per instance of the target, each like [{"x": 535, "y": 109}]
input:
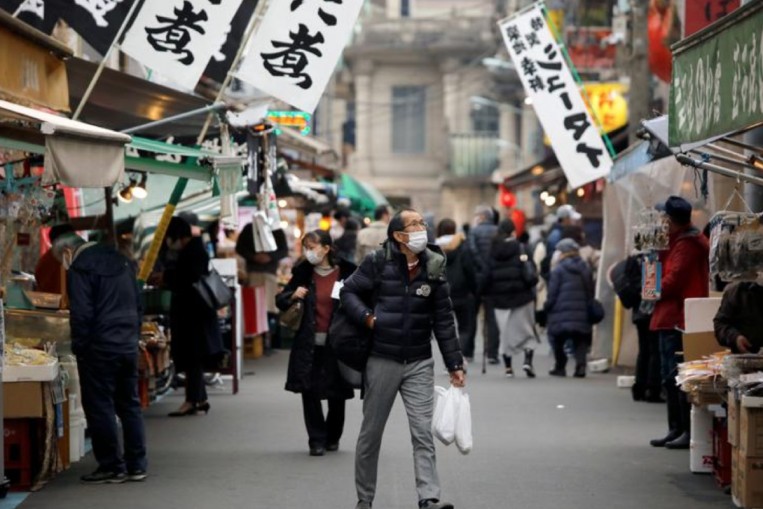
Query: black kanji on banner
[
  {"x": 97, "y": 21},
  {"x": 221, "y": 61},
  {"x": 41, "y": 14}
]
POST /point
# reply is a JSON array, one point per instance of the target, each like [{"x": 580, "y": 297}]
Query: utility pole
[{"x": 637, "y": 68}]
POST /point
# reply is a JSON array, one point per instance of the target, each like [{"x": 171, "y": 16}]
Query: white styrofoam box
[
  {"x": 701, "y": 425},
  {"x": 701, "y": 457},
  {"x": 598, "y": 365},
  {"x": 45, "y": 373},
  {"x": 226, "y": 267},
  {"x": 752, "y": 402},
  {"x": 626, "y": 382},
  {"x": 699, "y": 314}
]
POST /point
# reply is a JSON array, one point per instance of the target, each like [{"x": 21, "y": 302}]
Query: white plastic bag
[
  {"x": 464, "y": 440},
  {"x": 444, "y": 420}
]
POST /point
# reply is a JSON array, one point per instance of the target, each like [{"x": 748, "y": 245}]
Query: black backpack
[{"x": 626, "y": 280}]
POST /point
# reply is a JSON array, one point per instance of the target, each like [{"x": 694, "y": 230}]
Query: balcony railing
[
  {"x": 424, "y": 33},
  {"x": 473, "y": 154}
]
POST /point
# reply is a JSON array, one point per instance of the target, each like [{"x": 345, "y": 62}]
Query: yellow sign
[{"x": 607, "y": 104}]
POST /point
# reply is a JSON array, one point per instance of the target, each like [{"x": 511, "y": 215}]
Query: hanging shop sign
[
  {"x": 608, "y": 105},
  {"x": 296, "y": 49},
  {"x": 555, "y": 95},
  {"x": 296, "y": 119},
  {"x": 177, "y": 38},
  {"x": 32, "y": 73},
  {"x": 718, "y": 78}
]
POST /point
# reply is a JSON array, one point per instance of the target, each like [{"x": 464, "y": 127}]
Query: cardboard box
[
  {"x": 733, "y": 418},
  {"x": 22, "y": 400},
  {"x": 751, "y": 432},
  {"x": 749, "y": 492},
  {"x": 735, "y": 475},
  {"x": 697, "y": 345},
  {"x": 45, "y": 373}
]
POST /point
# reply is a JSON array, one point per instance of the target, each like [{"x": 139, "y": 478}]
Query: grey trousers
[{"x": 415, "y": 383}]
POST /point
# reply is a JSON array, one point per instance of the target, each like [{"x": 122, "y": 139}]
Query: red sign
[
  {"x": 701, "y": 13},
  {"x": 589, "y": 48}
]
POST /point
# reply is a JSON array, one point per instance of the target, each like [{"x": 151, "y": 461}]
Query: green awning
[{"x": 364, "y": 198}]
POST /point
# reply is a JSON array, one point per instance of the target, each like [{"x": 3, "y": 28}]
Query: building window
[
  {"x": 405, "y": 8},
  {"x": 409, "y": 120},
  {"x": 486, "y": 119}
]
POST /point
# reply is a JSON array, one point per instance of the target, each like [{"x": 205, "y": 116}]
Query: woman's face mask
[{"x": 314, "y": 257}]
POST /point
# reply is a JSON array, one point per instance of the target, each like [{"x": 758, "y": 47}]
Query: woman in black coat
[
  {"x": 196, "y": 339},
  {"x": 313, "y": 369},
  {"x": 509, "y": 285}
]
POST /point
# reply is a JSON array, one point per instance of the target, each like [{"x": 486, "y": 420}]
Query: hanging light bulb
[
  {"x": 125, "y": 194},
  {"x": 139, "y": 191}
]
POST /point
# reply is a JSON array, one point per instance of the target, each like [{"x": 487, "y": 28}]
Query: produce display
[{"x": 17, "y": 355}]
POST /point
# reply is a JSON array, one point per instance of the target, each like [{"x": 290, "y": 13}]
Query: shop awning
[
  {"x": 77, "y": 154},
  {"x": 308, "y": 146},
  {"x": 154, "y": 156},
  {"x": 364, "y": 198},
  {"x": 121, "y": 101}
]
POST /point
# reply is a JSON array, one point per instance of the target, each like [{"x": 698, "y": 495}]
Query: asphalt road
[{"x": 543, "y": 443}]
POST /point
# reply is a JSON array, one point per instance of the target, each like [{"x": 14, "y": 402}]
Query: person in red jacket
[{"x": 685, "y": 275}]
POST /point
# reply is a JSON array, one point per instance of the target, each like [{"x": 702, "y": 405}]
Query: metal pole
[
  {"x": 236, "y": 60},
  {"x": 210, "y": 108},
  {"x": 102, "y": 65},
  {"x": 684, "y": 159}
]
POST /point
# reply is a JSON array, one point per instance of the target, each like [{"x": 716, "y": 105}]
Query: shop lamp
[
  {"x": 544, "y": 196},
  {"x": 581, "y": 192},
  {"x": 139, "y": 191},
  {"x": 125, "y": 194}
]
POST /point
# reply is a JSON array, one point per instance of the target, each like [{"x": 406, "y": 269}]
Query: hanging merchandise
[
  {"x": 264, "y": 242},
  {"x": 650, "y": 232},
  {"x": 651, "y": 278},
  {"x": 267, "y": 198},
  {"x": 736, "y": 246}
]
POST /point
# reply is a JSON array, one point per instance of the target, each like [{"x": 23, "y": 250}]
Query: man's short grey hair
[
  {"x": 484, "y": 211},
  {"x": 68, "y": 240}
]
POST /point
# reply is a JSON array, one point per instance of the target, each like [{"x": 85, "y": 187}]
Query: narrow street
[{"x": 540, "y": 443}]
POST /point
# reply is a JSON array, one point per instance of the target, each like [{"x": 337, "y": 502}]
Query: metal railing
[{"x": 474, "y": 154}]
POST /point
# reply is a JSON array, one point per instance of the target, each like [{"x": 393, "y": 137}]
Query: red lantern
[
  {"x": 520, "y": 220},
  {"x": 507, "y": 198}
]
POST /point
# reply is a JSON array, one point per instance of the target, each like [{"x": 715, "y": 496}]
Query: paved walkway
[{"x": 543, "y": 443}]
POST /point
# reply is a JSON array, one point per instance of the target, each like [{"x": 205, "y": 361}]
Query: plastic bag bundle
[
  {"x": 452, "y": 421},
  {"x": 736, "y": 246}
]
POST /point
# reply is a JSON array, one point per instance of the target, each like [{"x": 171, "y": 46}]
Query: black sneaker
[
  {"x": 137, "y": 476},
  {"x": 434, "y": 504},
  {"x": 317, "y": 451},
  {"x": 104, "y": 477},
  {"x": 333, "y": 447}
]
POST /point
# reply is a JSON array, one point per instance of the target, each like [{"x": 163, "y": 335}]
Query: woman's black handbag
[
  {"x": 213, "y": 290},
  {"x": 595, "y": 312},
  {"x": 291, "y": 319}
]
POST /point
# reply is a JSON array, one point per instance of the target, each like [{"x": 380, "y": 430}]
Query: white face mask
[
  {"x": 417, "y": 241},
  {"x": 313, "y": 257}
]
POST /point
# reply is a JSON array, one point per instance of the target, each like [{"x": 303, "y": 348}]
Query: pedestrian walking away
[
  {"x": 569, "y": 295},
  {"x": 313, "y": 370},
  {"x": 373, "y": 236},
  {"x": 508, "y": 285},
  {"x": 412, "y": 303},
  {"x": 479, "y": 241},
  {"x": 196, "y": 338},
  {"x": 105, "y": 317}
]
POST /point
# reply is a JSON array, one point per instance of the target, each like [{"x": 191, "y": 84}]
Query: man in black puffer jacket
[
  {"x": 412, "y": 301},
  {"x": 480, "y": 240},
  {"x": 105, "y": 319}
]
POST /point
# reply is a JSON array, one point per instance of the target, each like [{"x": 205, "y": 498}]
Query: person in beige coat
[{"x": 373, "y": 236}]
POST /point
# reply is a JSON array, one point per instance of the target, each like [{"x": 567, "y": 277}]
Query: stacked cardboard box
[{"x": 746, "y": 435}]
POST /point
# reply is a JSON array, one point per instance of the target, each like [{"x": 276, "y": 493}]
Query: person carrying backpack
[
  {"x": 412, "y": 302},
  {"x": 509, "y": 285}
]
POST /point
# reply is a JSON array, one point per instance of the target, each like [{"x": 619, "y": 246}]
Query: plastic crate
[
  {"x": 722, "y": 453},
  {"x": 18, "y": 452}
]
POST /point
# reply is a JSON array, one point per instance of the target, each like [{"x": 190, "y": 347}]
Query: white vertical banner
[
  {"x": 556, "y": 97},
  {"x": 296, "y": 48},
  {"x": 177, "y": 38}
]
